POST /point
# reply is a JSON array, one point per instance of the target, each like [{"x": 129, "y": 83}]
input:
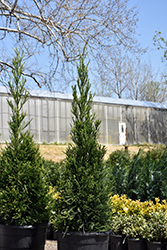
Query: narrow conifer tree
[
  {"x": 23, "y": 191},
  {"x": 83, "y": 205}
]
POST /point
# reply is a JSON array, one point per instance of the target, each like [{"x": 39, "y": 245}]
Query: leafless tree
[
  {"x": 126, "y": 76},
  {"x": 155, "y": 91},
  {"x": 138, "y": 77},
  {"x": 114, "y": 74},
  {"x": 52, "y": 31},
  {"x": 145, "y": 84}
]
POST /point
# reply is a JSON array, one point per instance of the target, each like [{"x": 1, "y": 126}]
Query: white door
[{"x": 122, "y": 133}]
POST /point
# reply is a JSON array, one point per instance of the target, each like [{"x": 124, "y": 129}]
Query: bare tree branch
[
  {"x": 14, "y": 6},
  {"x": 115, "y": 73},
  {"x": 57, "y": 29},
  {"x": 21, "y": 32},
  {"x": 25, "y": 74}
]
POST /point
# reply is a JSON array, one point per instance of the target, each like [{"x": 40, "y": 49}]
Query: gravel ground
[{"x": 51, "y": 245}]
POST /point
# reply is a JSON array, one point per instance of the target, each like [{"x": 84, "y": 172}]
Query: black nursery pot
[
  {"x": 118, "y": 242},
  {"x": 23, "y": 237},
  {"x": 156, "y": 245},
  {"x": 80, "y": 241},
  {"x": 137, "y": 244}
]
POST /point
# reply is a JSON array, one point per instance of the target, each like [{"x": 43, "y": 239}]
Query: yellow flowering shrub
[
  {"x": 137, "y": 219},
  {"x": 123, "y": 205}
]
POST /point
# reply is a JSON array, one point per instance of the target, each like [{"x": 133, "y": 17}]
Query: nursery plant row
[
  {"x": 141, "y": 213},
  {"x": 77, "y": 195},
  {"x": 133, "y": 225},
  {"x": 138, "y": 225},
  {"x": 140, "y": 176}
]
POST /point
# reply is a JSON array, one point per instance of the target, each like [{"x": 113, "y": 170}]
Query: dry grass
[
  {"x": 53, "y": 152},
  {"x": 57, "y": 152}
]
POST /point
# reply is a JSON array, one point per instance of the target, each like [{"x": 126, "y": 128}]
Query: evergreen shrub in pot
[
  {"x": 118, "y": 240},
  {"x": 81, "y": 213},
  {"x": 156, "y": 231},
  {"x": 127, "y": 232},
  {"x": 134, "y": 229},
  {"x": 23, "y": 190}
]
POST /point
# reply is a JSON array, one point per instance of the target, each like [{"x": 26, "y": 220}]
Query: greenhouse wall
[{"x": 122, "y": 121}]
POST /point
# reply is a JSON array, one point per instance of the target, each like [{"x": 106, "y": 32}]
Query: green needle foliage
[
  {"x": 23, "y": 191},
  {"x": 83, "y": 205},
  {"x": 141, "y": 176},
  {"x": 117, "y": 167}
]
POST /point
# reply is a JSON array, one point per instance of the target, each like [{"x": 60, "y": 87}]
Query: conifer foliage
[
  {"x": 23, "y": 191},
  {"x": 83, "y": 205}
]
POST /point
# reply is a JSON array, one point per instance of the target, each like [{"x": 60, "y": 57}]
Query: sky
[{"x": 152, "y": 17}]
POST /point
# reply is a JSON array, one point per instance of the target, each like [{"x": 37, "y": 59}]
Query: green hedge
[{"x": 141, "y": 176}]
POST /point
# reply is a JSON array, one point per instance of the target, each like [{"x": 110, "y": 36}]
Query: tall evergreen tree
[
  {"x": 23, "y": 191},
  {"x": 83, "y": 205}
]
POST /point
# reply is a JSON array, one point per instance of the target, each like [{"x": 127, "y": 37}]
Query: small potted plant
[
  {"x": 118, "y": 239},
  {"x": 81, "y": 215},
  {"x": 23, "y": 190},
  {"x": 134, "y": 229},
  {"x": 156, "y": 230}
]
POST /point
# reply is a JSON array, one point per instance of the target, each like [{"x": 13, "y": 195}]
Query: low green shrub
[
  {"x": 156, "y": 227},
  {"x": 136, "y": 219},
  {"x": 54, "y": 171},
  {"x": 116, "y": 170},
  {"x": 157, "y": 152},
  {"x": 118, "y": 156},
  {"x": 142, "y": 176},
  {"x": 147, "y": 175}
]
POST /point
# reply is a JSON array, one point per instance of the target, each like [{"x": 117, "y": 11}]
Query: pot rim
[
  {"x": 25, "y": 226},
  {"x": 84, "y": 234}
]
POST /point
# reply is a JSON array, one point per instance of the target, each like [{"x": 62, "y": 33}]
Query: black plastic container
[
  {"x": 22, "y": 237},
  {"x": 118, "y": 242},
  {"x": 156, "y": 245},
  {"x": 137, "y": 244},
  {"x": 80, "y": 241}
]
